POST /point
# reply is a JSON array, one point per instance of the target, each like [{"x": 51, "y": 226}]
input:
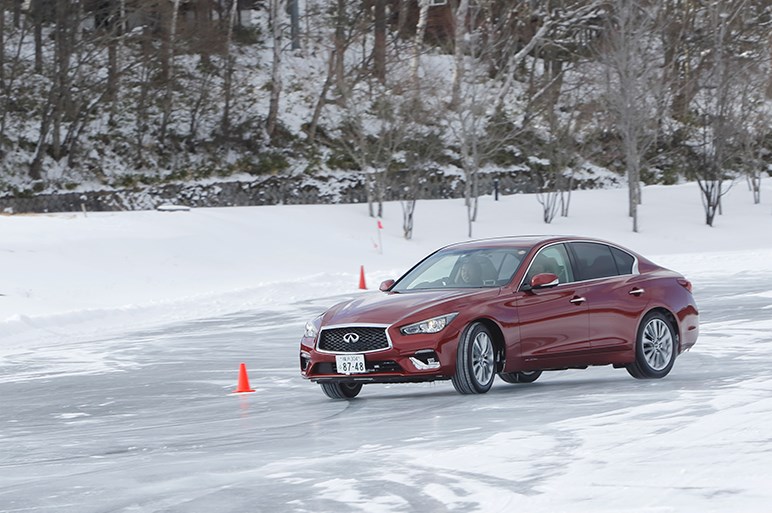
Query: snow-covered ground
[{"x": 121, "y": 334}]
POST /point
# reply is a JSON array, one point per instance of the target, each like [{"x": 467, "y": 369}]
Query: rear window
[
  {"x": 624, "y": 261},
  {"x": 594, "y": 260}
]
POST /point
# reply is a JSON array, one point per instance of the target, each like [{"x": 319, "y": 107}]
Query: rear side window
[
  {"x": 624, "y": 261},
  {"x": 594, "y": 260}
]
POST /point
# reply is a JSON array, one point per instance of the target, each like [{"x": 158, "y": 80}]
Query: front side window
[
  {"x": 552, "y": 259},
  {"x": 469, "y": 268},
  {"x": 594, "y": 260}
]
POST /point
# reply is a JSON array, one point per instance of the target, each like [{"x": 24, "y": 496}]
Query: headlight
[
  {"x": 433, "y": 325},
  {"x": 312, "y": 327}
]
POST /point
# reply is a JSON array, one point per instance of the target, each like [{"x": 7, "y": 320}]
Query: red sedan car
[{"x": 514, "y": 307}]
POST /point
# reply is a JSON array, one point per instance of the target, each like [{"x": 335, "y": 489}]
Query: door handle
[
  {"x": 577, "y": 300},
  {"x": 636, "y": 291}
]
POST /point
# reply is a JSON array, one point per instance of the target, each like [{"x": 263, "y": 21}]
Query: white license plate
[{"x": 350, "y": 363}]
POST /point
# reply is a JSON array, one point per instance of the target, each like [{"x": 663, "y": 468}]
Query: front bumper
[{"x": 411, "y": 358}]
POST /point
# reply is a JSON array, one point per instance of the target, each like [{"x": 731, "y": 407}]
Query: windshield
[{"x": 464, "y": 268}]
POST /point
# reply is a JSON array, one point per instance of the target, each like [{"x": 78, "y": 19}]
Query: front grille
[
  {"x": 384, "y": 366},
  {"x": 353, "y": 340}
]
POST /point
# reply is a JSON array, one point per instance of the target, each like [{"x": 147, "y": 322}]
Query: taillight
[{"x": 685, "y": 283}]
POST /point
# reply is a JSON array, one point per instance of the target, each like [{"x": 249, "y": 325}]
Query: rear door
[{"x": 615, "y": 297}]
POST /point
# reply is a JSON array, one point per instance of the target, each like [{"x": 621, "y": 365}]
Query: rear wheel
[
  {"x": 520, "y": 377},
  {"x": 476, "y": 361},
  {"x": 341, "y": 390},
  {"x": 655, "y": 348}
]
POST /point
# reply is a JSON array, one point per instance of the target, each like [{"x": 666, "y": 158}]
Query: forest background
[{"x": 375, "y": 100}]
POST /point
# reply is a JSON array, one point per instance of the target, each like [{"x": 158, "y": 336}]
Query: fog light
[
  {"x": 426, "y": 359},
  {"x": 305, "y": 361}
]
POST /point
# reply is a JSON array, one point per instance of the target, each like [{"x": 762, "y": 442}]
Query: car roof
[
  {"x": 530, "y": 241},
  {"x": 516, "y": 240}
]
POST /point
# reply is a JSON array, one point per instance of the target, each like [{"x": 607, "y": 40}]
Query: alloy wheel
[
  {"x": 657, "y": 344},
  {"x": 482, "y": 358}
]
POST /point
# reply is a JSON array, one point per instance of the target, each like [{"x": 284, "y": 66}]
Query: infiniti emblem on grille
[{"x": 351, "y": 338}]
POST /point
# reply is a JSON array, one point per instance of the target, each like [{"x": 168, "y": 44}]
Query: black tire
[
  {"x": 520, "y": 377},
  {"x": 656, "y": 347},
  {"x": 341, "y": 390},
  {"x": 475, "y": 361}
]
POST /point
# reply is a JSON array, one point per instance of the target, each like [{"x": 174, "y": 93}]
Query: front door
[{"x": 554, "y": 322}]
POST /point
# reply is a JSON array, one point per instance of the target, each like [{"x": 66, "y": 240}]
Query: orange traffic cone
[
  {"x": 243, "y": 385},
  {"x": 362, "y": 278}
]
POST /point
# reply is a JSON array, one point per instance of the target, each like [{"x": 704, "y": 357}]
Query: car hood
[{"x": 390, "y": 308}]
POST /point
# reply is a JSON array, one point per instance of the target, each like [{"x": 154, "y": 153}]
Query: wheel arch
[
  {"x": 498, "y": 340},
  {"x": 671, "y": 319}
]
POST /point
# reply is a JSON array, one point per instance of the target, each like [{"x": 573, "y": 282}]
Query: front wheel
[
  {"x": 520, "y": 377},
  {"x": 475, "y": 361},
  {"x": 655, "y": 348},
  {"x": 341, "y": 390}
]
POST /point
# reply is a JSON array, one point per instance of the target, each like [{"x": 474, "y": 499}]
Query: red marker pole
[{"x": 380, "y": 240}]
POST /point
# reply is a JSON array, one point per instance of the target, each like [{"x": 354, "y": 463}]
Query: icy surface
[{"x": 159, "y": 430}]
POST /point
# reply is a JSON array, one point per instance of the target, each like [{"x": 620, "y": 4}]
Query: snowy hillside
[{"x": 129, "y": 96}]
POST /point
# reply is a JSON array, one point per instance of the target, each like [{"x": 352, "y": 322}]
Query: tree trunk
[
  {"x": 227, "y": 81},
  {"x": 756, "y": 187},
  {"x": 458, "y": 51},
  {"x": 379, "y": 51},
  {"x": 565, "y": 202},
  {"x": 63, "y": 44},
  {"x": 369, "y": 192},
  {"x": 171, "y": 40},
  {"x": 277, "y": 10},
  {"x": 475, "y": 194},
  {"x": 769, "y": 69},
  {"x": 711, "y": 198},
  {"x": 17, "y": 13},
  {"x": 404, "y": 6},
  {"x": 37, "y": 16},
  {"x": 144, "y": 92},
  {"x": 294, "y": 11},
  {"x": 420, "y": 32},
  {"x": 340, "y": 46},
  {"x": 2, "y": 47},
  {"x": 408, "y": 211},
  {"x": 36, "y": 166},
  {"x": 322, "y": 100}
]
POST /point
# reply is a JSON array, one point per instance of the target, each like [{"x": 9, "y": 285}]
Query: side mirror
[
  {"x": 544, "y": 281},
  {"x": 386, "y": 285}
]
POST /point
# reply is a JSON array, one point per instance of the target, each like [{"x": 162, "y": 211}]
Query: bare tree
[
  {"x": 729, "y": 66},
  {"x": 422, "y": 145},
  {"x": 347, "y": 30},
  {"x": 487, "y": 58},
  {"x": 554, "y": 175},
  {"x": 372, "y": 132},
  {"x": 754, "y": 133},
  {"x": 634, "y": 85}
]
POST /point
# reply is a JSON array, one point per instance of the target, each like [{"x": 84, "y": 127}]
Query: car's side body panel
[{"x": 551, "y": 324}]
